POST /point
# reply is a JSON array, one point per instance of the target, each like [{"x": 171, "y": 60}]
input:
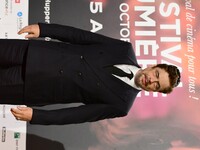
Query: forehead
[{"x": 163, "y": 78}]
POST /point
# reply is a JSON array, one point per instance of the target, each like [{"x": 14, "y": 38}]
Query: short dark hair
[{"x": 174, "y": 76}]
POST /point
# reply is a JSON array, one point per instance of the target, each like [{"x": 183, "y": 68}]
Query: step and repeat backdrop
[
  {"x": 161, "y": 31},
  {"x": 13, "y": 16}
]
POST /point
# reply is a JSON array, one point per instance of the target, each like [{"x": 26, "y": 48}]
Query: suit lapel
[
  {"x": 120, "y": 88},
  {"x": 123, "y": 90}
]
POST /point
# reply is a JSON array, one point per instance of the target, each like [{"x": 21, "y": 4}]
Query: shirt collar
[{"x": 127, "y": 69}]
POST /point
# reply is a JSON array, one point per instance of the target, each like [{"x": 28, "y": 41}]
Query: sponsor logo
[
  {"x": 19, "y": 20},
  {"x": 6, "y": 7},
  {"x": 17, "y": 144},
  {"x": 17, "y": 1},
  {"x": 6, "y": 37},
  {"x": 47, "y": 9},
  {"x": 16, "y": 135},
  {"x": 19, "y": 14},
  {"x": 4, "y": 111},
  {"x": 3, "y": 136}
]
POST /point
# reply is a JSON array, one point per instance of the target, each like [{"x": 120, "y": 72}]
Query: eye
[{"x": 157, "y": 86}]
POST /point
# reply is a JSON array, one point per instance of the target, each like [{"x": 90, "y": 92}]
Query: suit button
[
  {"x": 98, "y": 84},
  {"x": 81, "y": 57},
  {"x": 80, "y": 74},
  {"x": 61, "y": 71}
]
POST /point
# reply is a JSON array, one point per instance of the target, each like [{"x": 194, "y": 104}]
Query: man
[{"x": 98, "y": 71}]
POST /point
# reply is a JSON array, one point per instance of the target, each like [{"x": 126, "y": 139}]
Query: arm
[
  {"x": 66, "y": 34},
  {"x": 73, "y": 35},
  {"x": 73, "y": 115}
]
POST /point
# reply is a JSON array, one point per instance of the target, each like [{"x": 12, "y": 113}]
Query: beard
[{"x": 137, "y": 79}]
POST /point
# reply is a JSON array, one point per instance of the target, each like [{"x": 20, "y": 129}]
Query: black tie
[{"x": 116, "y": 71}]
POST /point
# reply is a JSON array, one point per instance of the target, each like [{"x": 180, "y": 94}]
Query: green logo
[{"x": 16, "y": 135}]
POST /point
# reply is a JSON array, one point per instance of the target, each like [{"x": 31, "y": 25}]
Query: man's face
[{"x": 152, "y": 79}]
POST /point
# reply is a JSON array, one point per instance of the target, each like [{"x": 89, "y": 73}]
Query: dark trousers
[{"x": 12, "y": 70}]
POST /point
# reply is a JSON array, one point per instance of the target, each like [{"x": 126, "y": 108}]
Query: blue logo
[{"x": 19, "y": 14}]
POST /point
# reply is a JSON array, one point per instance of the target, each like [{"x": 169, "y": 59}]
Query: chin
[{"x": 145, "y": 89}]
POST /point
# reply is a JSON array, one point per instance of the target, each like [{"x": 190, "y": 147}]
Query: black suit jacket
[{"x": 73, "y": 71}]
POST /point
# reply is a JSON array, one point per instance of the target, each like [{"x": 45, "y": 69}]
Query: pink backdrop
[
  {"x": 171, "y": 32},
  {"x": 161, "y": 31}
]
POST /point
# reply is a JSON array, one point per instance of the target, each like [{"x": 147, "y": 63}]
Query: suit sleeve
[
  {"x": 74, "y": 115},
  {"x": 73, "y": 35}
]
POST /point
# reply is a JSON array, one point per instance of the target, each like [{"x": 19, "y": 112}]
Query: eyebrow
[{"x": 158, "y": 83}]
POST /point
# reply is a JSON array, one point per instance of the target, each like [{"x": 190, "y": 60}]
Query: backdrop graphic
[
  {"x": 161, "y": 31},
  {"x": 13, "y": 16},
  {"x": 13, "y": 132}
]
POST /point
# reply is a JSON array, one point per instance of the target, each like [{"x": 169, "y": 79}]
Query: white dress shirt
[{"x": 128, "y": 69}]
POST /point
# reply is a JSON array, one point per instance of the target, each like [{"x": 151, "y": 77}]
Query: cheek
[
  {"x": 150, "y": 87},
  {"x": 138, "y": 79}
]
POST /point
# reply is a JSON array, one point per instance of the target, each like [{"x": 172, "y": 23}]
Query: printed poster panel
[
  {"x": 161, "y": 31},
  {"x": 12, "y": 132},
  {"x": 13, "y": 16}
]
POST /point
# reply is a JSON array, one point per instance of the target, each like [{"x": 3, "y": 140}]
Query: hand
[
  {"x": 32, "y": 30},
  {"x": 22, "y": 113}
]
